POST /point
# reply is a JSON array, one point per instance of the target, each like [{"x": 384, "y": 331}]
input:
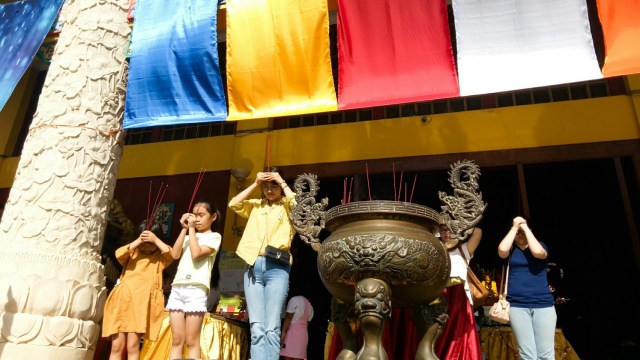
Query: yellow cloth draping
[
  {"x": 499, "y": 344},
  {"x": 220, "y": 339},
  {"x": 278, "y": 58},
  {"x": 267, "y": 225},
  {"x": 621, "y": 28},
  {"x": 327, "y": 341}
]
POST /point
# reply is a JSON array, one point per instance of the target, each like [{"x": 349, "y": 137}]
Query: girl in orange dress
[{"x": 136, "y": 304}]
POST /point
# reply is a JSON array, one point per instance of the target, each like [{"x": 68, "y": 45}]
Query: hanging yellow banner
[{"x": 278, "y": 59}]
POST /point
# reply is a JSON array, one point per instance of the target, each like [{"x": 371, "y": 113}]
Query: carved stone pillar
[{"x": 51, "y": 281}]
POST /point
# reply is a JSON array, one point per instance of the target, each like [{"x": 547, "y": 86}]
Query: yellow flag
[{"x": 278, "y": 60}]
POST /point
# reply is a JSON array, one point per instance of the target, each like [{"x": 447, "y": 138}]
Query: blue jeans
[
  {"x": 265, "y": 286},
  {"x": 535, "y": 332}
]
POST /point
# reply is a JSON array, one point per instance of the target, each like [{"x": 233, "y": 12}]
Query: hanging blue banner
[
  {"x": 23, "y": 27},
  {"x": 174, "y": 72}
]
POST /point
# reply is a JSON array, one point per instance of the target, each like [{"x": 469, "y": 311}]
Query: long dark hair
[
  {"x": 155, "y": 228},
  {"x": 215, "y": 272}
]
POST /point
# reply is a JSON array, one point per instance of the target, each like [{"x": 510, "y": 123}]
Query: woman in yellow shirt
[{"x": 266, "y": 280}]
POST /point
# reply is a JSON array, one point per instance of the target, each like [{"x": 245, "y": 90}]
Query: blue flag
[
  {"x": 23, "y": 27},
  {"x": 174, "y": 73}
]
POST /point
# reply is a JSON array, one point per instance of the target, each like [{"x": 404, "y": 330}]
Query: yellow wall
[
  {"x": 8, "y": 168},
  {"x": 571, "y": 122},
  {"x": 13, "y": 112},
  {"x": 574, "y": 122},
  {"x": 633, "y": 83},
  {"x": 584, "y": 121},
  {"x": 561, "y": 123}
]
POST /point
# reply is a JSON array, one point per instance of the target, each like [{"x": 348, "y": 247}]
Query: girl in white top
[
  {"x": 190, "y": 288},
  {"x": 459, "y": 338},
  {"x": 458, "y": 265}
]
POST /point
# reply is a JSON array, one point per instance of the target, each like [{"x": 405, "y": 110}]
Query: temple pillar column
[{"x": 52, "y": 289}]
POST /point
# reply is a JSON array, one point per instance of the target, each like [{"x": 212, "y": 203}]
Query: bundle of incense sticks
[
  {"x": 195, "y": 188},
  {"x": 152, "y": 211},
  {"x": 346, "y": 196},
  {"x": 397, "y": 196}
]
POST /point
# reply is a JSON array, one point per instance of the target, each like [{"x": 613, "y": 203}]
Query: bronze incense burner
[
  {"x": 383, "y": 251},
  {"x": 387, "y": 240}
]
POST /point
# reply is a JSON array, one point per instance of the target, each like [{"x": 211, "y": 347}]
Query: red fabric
[
  {"x": 392, "y": 52},
  {"x": 460, "y": 338},
  {"x": 399, "y": 337},
  {"x": 103, "y": 350}
]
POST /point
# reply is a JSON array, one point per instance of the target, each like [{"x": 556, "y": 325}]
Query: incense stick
[
  {"x": 415, "y": 177},
  {"x": 349, "y": 196},
  {"x": 155, "y": 211},
  {"x": 366, "y": 167},
  {"x": 155, "y": 203},
  {"x": 149, "y": 203},
  {"x": 195, "y": 188},
  {"x": 400, "y": 189},
  {"x": 268, "y": 152},
  {"x": 344, "y": 191},
  {"x": 394, "y": 182}
]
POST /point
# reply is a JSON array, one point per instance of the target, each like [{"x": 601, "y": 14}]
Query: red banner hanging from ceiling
[{"x": 392, "y": 52}]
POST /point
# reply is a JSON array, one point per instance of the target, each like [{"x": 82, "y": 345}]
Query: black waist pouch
[{"x": 279, "y": 255}]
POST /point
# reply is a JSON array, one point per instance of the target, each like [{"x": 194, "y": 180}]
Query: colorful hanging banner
[
  {"x": 23, "y": 27},
  {"x": 506, "y": 45},
  {"x": 174, "y": 73},
  {"x": 392, "y": 52},
  {"x": 621, "y": 28},
  {"x": 278, "y": 60}
]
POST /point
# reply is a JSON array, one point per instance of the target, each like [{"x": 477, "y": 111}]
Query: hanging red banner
[{"x": 392, "y": 52}]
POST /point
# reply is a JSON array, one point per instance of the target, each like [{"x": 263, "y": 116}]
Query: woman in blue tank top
[{"x": 532, "y": 314}]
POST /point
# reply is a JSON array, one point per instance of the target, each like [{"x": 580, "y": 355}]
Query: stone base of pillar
[
  {"x": 26, "y": 351},
  {"x": 51, "y": 302},
  {"x": 28, "y": 336}
]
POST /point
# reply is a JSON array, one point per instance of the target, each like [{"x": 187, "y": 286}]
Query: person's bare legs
[
  {"x": 178, "y": 323},
  {"x": 193, "y": 327},
  {"x": 133, "y": 346},
  {"x": 117, "y": 346}
]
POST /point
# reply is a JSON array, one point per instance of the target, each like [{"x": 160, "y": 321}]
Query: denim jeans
[
  {"x": 535, "y": 332},
  {"x": 265, "y": 287}
]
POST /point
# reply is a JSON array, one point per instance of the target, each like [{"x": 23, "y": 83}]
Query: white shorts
[{"x": 187, "y": 299}]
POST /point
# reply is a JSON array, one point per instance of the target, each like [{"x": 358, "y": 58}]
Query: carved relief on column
[{"x": 51, "y": 281}]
